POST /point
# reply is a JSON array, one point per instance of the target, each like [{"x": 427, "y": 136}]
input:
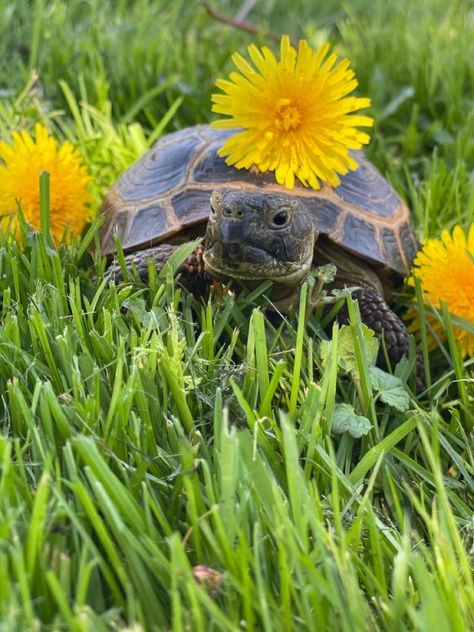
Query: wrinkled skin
[{"x": 259, "y": 236}]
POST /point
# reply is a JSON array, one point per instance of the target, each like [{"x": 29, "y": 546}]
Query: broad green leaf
[
  {"x": 346, "y": 420},
  {"x": 346, "y": 355},
  {"x": 391, "y": 389}
]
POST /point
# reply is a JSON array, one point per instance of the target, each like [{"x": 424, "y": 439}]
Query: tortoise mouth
[{"x": 250, "y": 263}]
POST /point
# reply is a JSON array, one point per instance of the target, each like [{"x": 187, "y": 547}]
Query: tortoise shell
[{"x": 167, "y": 191}]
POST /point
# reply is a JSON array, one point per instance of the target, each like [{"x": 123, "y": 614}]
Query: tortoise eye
[{"x": 280, "y": 219}]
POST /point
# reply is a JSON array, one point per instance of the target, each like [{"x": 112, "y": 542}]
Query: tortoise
[{"x": 256, "y": 230}]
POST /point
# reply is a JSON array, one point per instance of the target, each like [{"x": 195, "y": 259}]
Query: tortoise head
[{"x": 256, "y": 236}]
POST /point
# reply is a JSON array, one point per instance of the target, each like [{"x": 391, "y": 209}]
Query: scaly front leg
[
  {"x": 193, "y": 276},
  {"x": 376, "y": 314}
]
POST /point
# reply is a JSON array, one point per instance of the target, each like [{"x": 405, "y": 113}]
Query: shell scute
[
  {"x": 325, "y": 213},
  {"x": 408, "y": 240},
  {"x": 360, "y": 236},
  {"x": 190, "y": 203},
  {"x": 161, "y": 169},
  {"x": 114, "y": 222},
  {"x": 391, "y": 249},
  {"x": 365, "y": 188},
  {"x": 147, "y": 223},
  {"x": 211, "y": 168}
]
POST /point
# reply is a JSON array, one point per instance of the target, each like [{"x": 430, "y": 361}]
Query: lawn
[{"x": 169, "y": 464}]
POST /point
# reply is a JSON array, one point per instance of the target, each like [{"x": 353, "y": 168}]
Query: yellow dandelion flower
[
  {"x": 23, "y": 162},
  {"x": 295, "y": 113},
  {"x": 445, "y": 268}
]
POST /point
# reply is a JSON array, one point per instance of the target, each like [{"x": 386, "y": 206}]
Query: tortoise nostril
[{"x": 233, "y": 213}]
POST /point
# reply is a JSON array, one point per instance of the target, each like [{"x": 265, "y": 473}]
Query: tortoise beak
[
  {"x": 227, "y": 242},
  {"x": 233, "y": 254},
  {"x": 230, "y": 231}
]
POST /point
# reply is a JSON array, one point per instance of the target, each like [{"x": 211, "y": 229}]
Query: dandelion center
[{"x": 288, "y": 116}]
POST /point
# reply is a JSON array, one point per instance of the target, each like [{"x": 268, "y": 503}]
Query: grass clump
[
  {"x": 146, "y": 435},
  {"x": 143, "y": 436}
]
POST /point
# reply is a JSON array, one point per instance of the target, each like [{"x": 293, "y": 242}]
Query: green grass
[{"x": 144, "y": 434}]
